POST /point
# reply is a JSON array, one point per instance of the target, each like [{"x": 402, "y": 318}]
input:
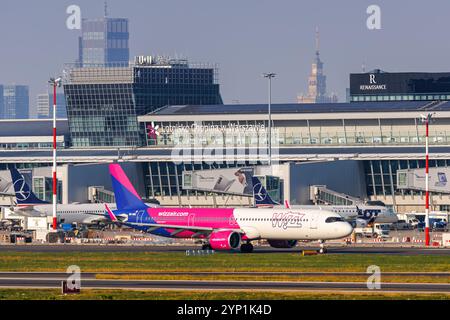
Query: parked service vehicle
[
  {"x": 414, "y": 222},
  {"x": 438, "y": 225},
  {"x": 401, "y": 225}
]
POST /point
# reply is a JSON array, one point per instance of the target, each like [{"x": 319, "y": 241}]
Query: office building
[
  {"x": 104, "y": 42},
  {"x": 103, "y": 102},
  {"x": 15, "y": 102},
  {"x": 45, "y": 106},
  {"x": 378, "y": 85}
]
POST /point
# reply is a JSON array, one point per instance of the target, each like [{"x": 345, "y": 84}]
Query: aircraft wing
[
  {"x": 23, "y": 209},
  {"x": 95, "y": 214},
  {"x": 28, "y": 213},
  {"x": 154, "y": 226},
  {"x": 178, "y": 228}
]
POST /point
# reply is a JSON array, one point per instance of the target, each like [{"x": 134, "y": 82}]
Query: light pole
[
  {"x": 427, "y": 119},
  {"x": 269, "y": 76},
  {"x": 54, "y": 83}
]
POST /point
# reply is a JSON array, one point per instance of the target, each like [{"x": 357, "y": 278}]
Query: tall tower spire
[
  {"x": 317, "y": 80},
  {"x": 317, "y": 40}
]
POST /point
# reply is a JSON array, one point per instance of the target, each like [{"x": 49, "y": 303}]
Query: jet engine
[
  {"x": 282, "y": 243},
  {"x": 224, "y": 240}
]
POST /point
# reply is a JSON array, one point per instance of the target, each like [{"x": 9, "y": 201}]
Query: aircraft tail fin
[
  {"x": 262, "y": 197},
  {"x": 24, "y": 194},
  {"x": 126, "y": 196}
]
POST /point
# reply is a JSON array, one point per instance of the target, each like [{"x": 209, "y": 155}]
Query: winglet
[
  {"x": 286, "y": 204},
  {"x": 112, "y": 216}
]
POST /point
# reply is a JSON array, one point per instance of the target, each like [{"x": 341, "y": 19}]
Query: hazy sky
[{"x": 245, "y": 37}]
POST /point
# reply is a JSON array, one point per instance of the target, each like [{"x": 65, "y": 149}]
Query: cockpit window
[{"x": 333, "y": 219}]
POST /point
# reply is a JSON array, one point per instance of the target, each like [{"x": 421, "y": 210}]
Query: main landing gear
[
  {"x": 322, "y": 249},
  {"x": 206, "y": 246},
  {"x": 247, "y": 248}
]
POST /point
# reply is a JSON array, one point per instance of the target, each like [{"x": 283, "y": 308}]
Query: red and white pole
[
  {"x": 55, "y": 182},
  {"x": 427, "y": 191}
]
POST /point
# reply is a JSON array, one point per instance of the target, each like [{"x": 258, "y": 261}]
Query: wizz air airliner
[{"x": 223, "y": 228}]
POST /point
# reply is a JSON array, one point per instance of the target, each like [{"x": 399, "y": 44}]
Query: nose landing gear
[{"x": 322, "y": 249}]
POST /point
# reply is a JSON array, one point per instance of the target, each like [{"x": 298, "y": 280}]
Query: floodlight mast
[
  {"x": 269, "y": 76},
  {"x": 426, "y": 119},
  {"x": 54, "y": 83}
]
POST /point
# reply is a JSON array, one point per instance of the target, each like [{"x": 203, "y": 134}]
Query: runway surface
[
  {"x": 44, "y": 281},
  {"x": 353, "y": 249},
  {"x": 92, "y": 275}
]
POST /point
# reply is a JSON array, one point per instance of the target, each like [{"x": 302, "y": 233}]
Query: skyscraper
[
  {"x": 45, "y": 106},
  {"x": 317, "y": 87},
  {"x": 16, "y": 102},
  {"x": 104, "y": 41},
  {"x": 1, "y": 102}
]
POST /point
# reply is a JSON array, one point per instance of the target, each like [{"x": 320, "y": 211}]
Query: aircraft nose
[{"x": 346, "y": 229}]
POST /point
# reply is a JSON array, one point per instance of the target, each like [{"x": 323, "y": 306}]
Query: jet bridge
[{"x": 321, "y": 195}]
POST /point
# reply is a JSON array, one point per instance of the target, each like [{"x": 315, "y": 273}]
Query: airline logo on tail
[
  {"x": 24, "y": 194},
  {"x": 126, "y": 196},
  {"x": 262, "y": 198}
]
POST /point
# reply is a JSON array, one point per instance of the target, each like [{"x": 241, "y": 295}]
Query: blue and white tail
[
  {"x": 126, "y": 196},
  {"x": 262, "y": 198},
  {"x": 24, "y": 194}
]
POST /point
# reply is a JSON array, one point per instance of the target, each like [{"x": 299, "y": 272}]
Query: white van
[{"x": 379, "y": 230}]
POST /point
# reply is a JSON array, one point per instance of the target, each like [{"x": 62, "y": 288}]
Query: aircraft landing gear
[
  {"x": 322, "y": 249},
  {"x": 247, "y": 248},
  {"x": 206, "y": 246}
]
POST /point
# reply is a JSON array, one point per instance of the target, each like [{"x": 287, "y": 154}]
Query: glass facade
[
  {"x": 296, "y": 133},
  {"x": 43, "y": 189},
  {"x": 15, "y": 103},
  {"x": 179, "y": 85},
  {"x": 165, "y": 178},
  {"x": 104, "y": 41},
  {"x": 381, "y": 175},
  {"x": 400, "y": 97},
  {"x": 103, "y": 103},
  {"x": 101, "y": 115}
]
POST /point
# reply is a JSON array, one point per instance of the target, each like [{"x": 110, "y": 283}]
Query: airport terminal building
[
  {"x": 354, "y": 149},
  {"x": 321, "y": 153}
]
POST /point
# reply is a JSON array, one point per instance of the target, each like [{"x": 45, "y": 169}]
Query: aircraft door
[
  {"x": 313, "y": 222},
  {"x": 191, "y": 220}
]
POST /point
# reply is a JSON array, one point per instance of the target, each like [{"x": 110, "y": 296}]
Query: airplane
[
  {"x": 90, "y": 213},
  {"x": 80, "y": 213},
  {"x": 223, "y": 228},
  {"x": 359, "y": 215}
]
